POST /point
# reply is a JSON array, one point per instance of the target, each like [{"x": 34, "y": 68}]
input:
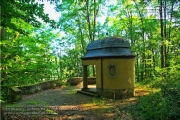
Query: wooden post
[{"x": 85, "y": 84}]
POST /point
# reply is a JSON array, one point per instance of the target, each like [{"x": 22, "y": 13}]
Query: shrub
[{"x": 157, "y": 106}]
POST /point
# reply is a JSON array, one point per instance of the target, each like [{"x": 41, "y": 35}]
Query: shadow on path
[{"x": 79, "y": 107}]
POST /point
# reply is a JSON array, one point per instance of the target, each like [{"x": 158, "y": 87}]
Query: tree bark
[
  {"x": 88, "y": 21},
  {"x": 143, "y": 73},
  {"x": 162, "y": 34}
]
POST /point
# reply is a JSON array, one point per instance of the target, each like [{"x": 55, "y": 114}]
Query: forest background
[{"x": 33, "y": 51}]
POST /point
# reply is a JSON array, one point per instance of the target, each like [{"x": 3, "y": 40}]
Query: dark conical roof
[{"x": 108, "y": 47}]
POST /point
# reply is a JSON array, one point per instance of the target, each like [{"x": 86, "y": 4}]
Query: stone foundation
[{"x": 116, "y": 94}]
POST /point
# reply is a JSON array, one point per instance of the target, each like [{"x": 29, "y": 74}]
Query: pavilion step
[{"x": 89, "y": 93}]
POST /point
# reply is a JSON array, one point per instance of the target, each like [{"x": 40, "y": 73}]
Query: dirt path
[{"x": 88, "y": 108}]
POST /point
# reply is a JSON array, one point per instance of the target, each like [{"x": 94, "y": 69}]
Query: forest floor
[{"x": 81, "y": 107}]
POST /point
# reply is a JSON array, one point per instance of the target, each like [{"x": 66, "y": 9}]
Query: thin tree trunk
[
  {"x": 169, "y": 32},
  {"x": 162, "y": 35},
  {"x": 82, "y": 37},
  {"x": 94, "y": 25},
  {"x": 88, "y": 21},
  {"x": 143, "y": 73},
  {"x": 165, "y": 36},
  {"x": 154, "y": 62},
  {"x": 129, "y": 15}
]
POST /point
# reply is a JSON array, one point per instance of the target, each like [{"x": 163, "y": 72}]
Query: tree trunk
[
  {"x": 143, "y": 73},
  {"x": 88, "y": 21},
  {"x": 165, "y": 36},
  {"x": 82, "y": 37},
  {"x": 162, "y": 35}
]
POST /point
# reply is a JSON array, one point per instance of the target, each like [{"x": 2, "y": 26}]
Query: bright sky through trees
[{"x": 49, "y": 9}]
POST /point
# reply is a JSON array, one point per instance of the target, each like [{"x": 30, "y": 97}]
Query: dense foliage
[
  {"x": 26, "y": 55},
  {"x": 32, "y": 52},
  {"x": 151, "y": 27}
]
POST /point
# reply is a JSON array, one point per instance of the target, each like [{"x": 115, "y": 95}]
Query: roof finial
[{"x": 106, "y": 33}]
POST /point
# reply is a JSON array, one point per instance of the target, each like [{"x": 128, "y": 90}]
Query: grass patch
[{"x": 34, "y": 102}]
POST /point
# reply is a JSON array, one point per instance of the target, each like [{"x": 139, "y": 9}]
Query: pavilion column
[{"x": 85, "y": 75}]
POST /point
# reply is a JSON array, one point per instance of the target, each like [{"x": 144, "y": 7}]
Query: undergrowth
[{"x": 162, "y": 105}]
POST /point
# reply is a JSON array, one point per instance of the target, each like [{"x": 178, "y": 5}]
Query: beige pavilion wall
[{"x": 125, "y": 73}]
